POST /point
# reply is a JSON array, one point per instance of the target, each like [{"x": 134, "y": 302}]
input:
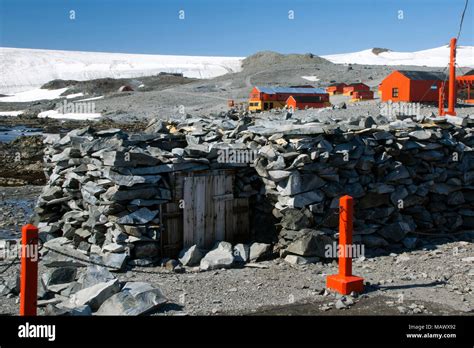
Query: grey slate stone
[
  {"x": 312, "y": 243},
  {"x": 59, "y": 275},
  {"x": 423, "y": 134},
  {"x": 395, "y": 231},
  {"x": 278, "y": 175},
  {"x": 136, "y": 298},
  {"x": 220, "y": 257},
  {"x": 128, "y": 159},
  {"x": 294, "y": 219},
  {"x": 399, "y": 173},
  {"x": 95, "y": 274},
  {"x": 191, "y": 256},
  {"x": 306, "y": 198},
  {"x": 259, "y": 251},
  {"x": 298, "y": 183},
  {"x": 95, "y": 295},
  {"x": 130, "y": 180},
  {"x": 140, "y": 217}
]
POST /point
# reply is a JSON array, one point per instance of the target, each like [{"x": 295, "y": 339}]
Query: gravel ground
[
  {"x": 444, "y": 284},
  {"x": 436, "y": 279}
]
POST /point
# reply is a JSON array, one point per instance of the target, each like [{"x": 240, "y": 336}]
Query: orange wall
[
  {"x": 395, "y": 80},
  {"x": 408, "y": 90}
]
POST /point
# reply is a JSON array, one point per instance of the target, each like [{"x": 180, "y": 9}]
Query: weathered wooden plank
[
  {"x": 209, "y": 235},
  {"x": 219, "y": 207},
  {"x": 188, "y": 212},
  {"x": 224, "y": 197},
  {"x": 199, "y": 207},
  {"x": 229, "y": 215},
  {"x": 172, "y": 236}
]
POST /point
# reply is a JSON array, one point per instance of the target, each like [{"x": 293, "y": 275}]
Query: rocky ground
[
  {"x": 435, "y": 279},
  {"x": 432, "y": 277}
]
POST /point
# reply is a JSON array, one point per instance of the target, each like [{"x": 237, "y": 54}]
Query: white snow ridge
[
  {"x": 25, "y": 69},
  {"x": 435, "y": 57}
]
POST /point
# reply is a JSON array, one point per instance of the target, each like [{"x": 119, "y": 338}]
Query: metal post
[
  {"x": 345, "y": 282},
  {"x": 345, "y": 235},
  {"x": 29, "y": 270},
  {"x": 452, "y": 79}
]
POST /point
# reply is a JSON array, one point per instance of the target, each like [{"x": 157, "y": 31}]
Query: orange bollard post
[
  {"x": 345, "y": 282},
  {"x": 29, "y": 270}
]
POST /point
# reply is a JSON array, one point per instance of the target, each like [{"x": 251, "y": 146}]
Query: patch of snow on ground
[
  {"x": 34, "y": 95},
  {"x": 70, "y": 116},
  {"x": 11, "y": 113},
  {"x": 75, "y": 95},
  {"x": 310, "y": 78}
]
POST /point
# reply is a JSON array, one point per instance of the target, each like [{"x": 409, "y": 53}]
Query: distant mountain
[
  {"x": 435, "y": 57},
  {"x": 265, "y": 59},
  {"x": 26, "y": 69}
]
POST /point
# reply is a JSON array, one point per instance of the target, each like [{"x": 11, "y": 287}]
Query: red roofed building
[
  {"x": 336, "y": 88},
  {"x": 308, "y": 102},
  {"x": 359, "y": 86},
  {"x": 266, "y": 98},
  {"x": 412, "y": 86}
]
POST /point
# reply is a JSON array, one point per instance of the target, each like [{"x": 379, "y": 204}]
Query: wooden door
[{"x": 211, "y": 213}]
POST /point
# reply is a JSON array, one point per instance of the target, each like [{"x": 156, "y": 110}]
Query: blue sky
[{"x": 232, "y": 27}]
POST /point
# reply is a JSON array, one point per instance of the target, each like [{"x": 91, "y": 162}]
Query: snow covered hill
[
  {"x": 435, "y": 57},
  {"x": 26, "y": 69}
]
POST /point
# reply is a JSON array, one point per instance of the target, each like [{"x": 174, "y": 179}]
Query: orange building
[
  {"x": 308, "y": 102},
  {"x": 362, "y": 95},
  {"x": 335, "y": 88},
  {"x": 411, "y": 86},
  {"x": 358, "y": 86},
  {"x": 266, "y": 98}
]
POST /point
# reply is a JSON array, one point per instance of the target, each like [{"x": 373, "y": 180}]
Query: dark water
[{"x": 11, "y": 133}]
